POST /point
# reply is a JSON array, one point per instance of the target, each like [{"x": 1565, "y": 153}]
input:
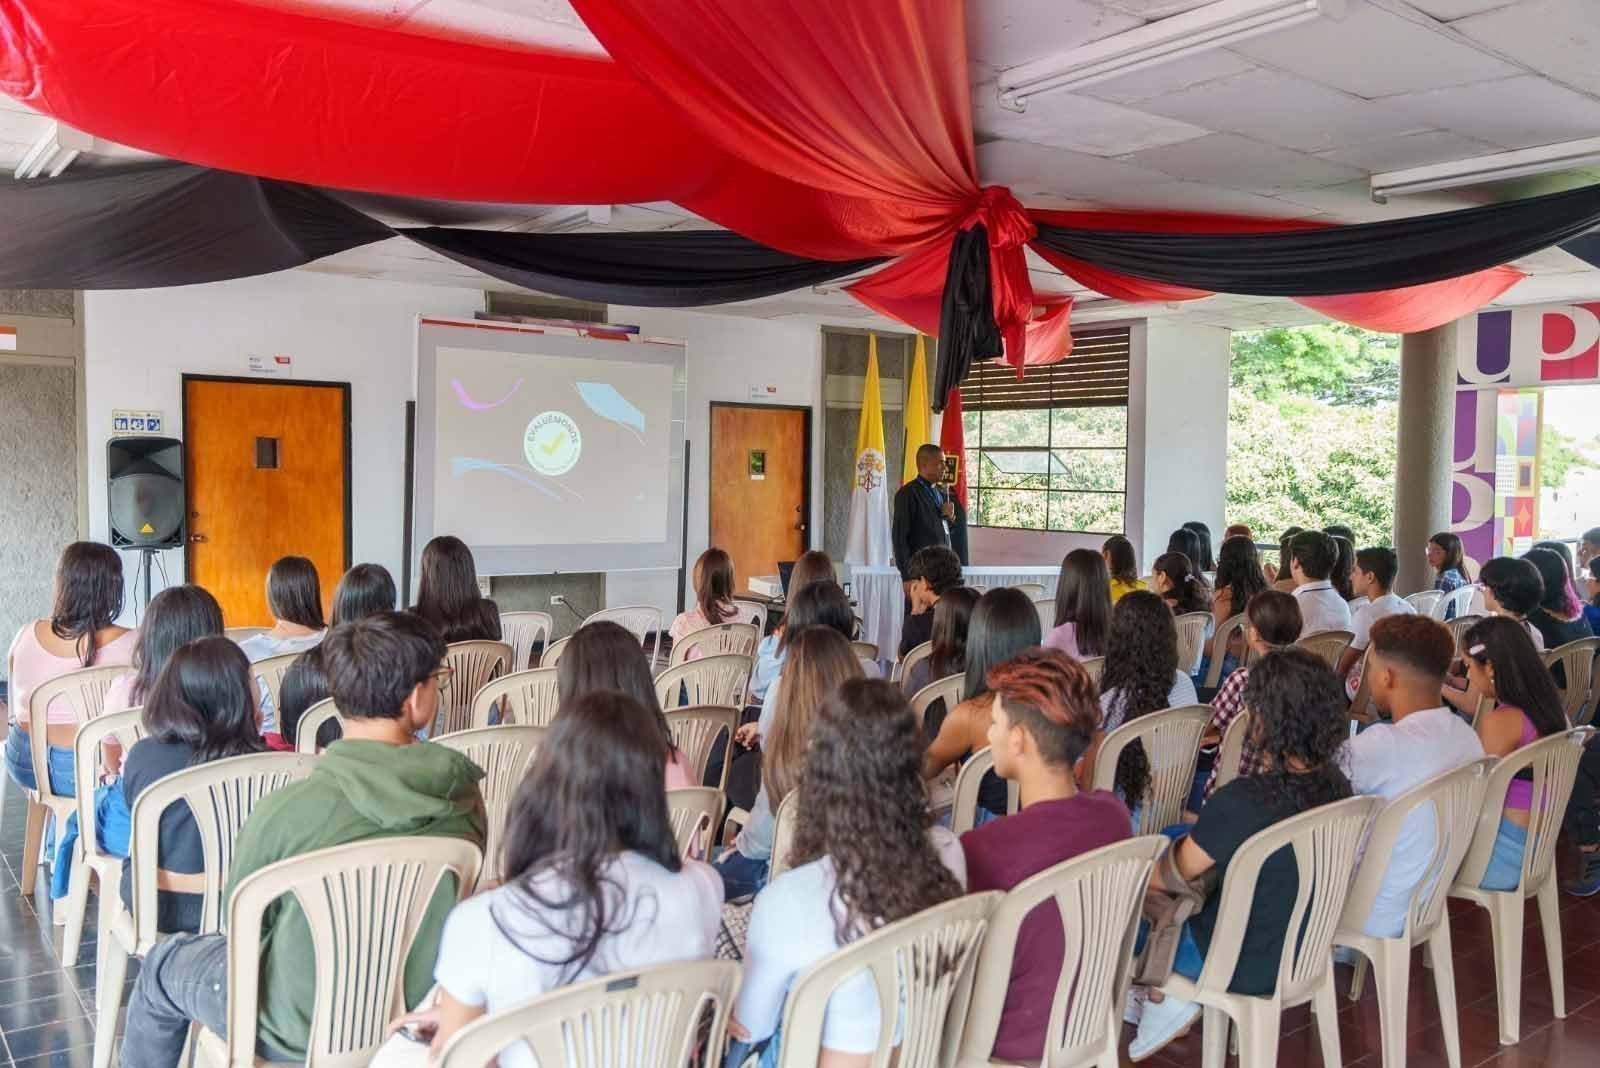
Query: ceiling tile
[
  {"x": 1409, "y": 150},
  {"x": 1372, "y": 52},
  {"x": 1081, "y": 124},
  {"x": 1200, "y": 197},
  {"x": 1511, "y": 113},
  {"x": 1282, "y": 109},
  {"x": 1449, "y": 10},
  {"x": 1154, "y": 9},
  {"x": 1170, "y": 77},
  {"x": 1352, "y": 202},
  {"x": 1558, "y": 38},
  {"x": 1040, "y": 170},
  {"x": 1005, "y": 33},
  {"x": 1240, "y": 163}
]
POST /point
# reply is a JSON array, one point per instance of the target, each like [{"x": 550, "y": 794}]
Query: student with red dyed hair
[{"x": 1044, "y": 713}]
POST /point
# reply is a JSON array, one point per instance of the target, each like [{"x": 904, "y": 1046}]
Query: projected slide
[{"x": 538, "y": 450}]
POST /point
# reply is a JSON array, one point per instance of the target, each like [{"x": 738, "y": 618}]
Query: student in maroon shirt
[{"x": 1046, "y": 709}]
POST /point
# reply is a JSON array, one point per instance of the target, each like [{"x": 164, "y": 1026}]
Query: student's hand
[
  {"x": 738, "y": 1030},
  {"x": 748, "y": 734},
  {"x": 420, "y": 1026},
  {"x": 1271, "y": 571}
]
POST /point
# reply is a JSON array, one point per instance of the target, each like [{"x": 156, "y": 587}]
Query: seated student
[
  {"x": 1591, "y": 611},
  {"x": 1588, "y": 553},
  {"x": 1273, "y": 622},
  {"x": 201, "y": 709},
  {"x": 1083, "y": 606},
  {"x": 378, "y": 781},
  {"x": 1312, "y": 556},
  {"x": 819, "y": 660},
  {"x": 1449, "y": 562},
  {"x": 713, "y": 593},
  {"x": 1238, "y": 530},
  {"x": 1513, "y": 588},
  {"x": 1503, "y": 666},
  {"x": 1045, "y": 710},
  {"x": 820, "y": 604},
  {"x": 1239, "y": 578},
  {"x": 593, "y": 881},
  {"x": 813, "y": 566},
  {"x": 447, "y": 593},
  {"x": 294, "y": 596},
  {"x": 952, "y": 621},
  {"x": 1340, "y": 530},
  {"x": 608, "y": 656},
  {"x": 1180, "y": 584},
  {"x": 1344, "y": 563},
  {"x": 1583, "y": 822},
  {"x": 1279, "y": 575},
  {"x": 304, "y": 684},
  {"x": 848, "y": 875},
  {"x": 1372, "y": 579},
  {"x": 1206, "y": 562},
  {"x": 1559, "y": 615},
  {"x": 1122, "y": 566},
  {"x": 933, "y": 572},
  {"x": 1298, "y": 725},
  {"x": 364, "y": 590},
  {"x": 1409, "y": 659}
]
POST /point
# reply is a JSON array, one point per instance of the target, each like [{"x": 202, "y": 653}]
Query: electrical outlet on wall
[
  {"x": 557, "y": 599},
  {"x": 483, "y": 585}
]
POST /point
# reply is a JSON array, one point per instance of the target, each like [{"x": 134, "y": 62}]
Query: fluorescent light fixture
[
  {"x": 1215, "y": 25},
  {"x": 1480, "y": 170},
  {"x": 54, "y": 152}
]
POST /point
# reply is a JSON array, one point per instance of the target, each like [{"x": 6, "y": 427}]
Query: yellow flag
[
  {"x": 868, "y": 540},
  {"x": 916, "y": 412},
  {"x": 870, "y": 434}
]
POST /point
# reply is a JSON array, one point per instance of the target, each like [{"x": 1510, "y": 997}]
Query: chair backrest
[
  {"x": 474, "y": 664},
  {"x": 552, "y": 652},
  {"x": 1577, "y": 666},
  {"x": 1425, "y": 601},
  {"x": 1329, "y": 645},
  {"x": 1459, "y": 627},
  {"x": 865, "y": 650},
  {"x": 651, "y": 1018},
  {"x": 1361, "y": 705},
  {"x": 239, "y": 634},
  {"x": 1231, "y": 751},
  {"x": 363, "y": 902},
  {"x": 1171, "y": 742},
  {"x": 903, "y": 666},
  {"x": 1452, "y": 802},
  {"x": 529, "y": 698},
  {"x": 695, "y": 731},
  {"x": 311, "y": 721},
  {"x": 920, "y": 967},
  {"x": 694, "y": 811},
  {"x": 949, "y": 688},
  {"x": 741, "y": 638},
  {"x": 1191, "y": 639},
  {"x": 964, "y": 805},
  {"x": 1098, "y": 896},
  {"x": 1095, "y": 666},
  {"x": 124, "y": 728},
  {"x": 1046, "y": 607},
  {"x": 1231, "y": 626},
  {"x": 723, "y": 679},
  {"x": 641, "y": 620},
  {"x": 1036, "y": 591},
  {"x": 504, "y": 754},
  {"x": 220, "y": 795},
  {"x": 1553, "y": 761},
  {"x": 1325, "y": 842},
  {"x": 269, "y": 673},
  {"x": 783, "y": 828},
  {"x": 752, "y": 612},
  {"x": 1458, "y": 602},
  {"x": 522, "y": 631},
  {"x": 84, "y": 690}
]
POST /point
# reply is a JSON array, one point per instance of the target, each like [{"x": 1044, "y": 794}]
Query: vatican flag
[
  {"x": 869, "y": 540},
  {"x": 916, "y": 412}
]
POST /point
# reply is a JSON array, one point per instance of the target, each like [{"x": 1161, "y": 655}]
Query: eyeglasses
[{"x": 442, "y": 676}]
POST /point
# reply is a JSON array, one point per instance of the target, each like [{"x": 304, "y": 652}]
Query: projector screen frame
[{"x": 434, "y": 332}]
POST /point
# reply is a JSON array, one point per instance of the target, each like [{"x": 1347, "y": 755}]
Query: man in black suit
[{"x": 923, "y": 510}]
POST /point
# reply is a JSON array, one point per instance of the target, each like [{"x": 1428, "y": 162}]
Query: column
[{"x": 1425, "y": 450}]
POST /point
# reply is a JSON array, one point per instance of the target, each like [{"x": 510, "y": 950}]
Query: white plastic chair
[
  {"x": 1095, "y": 666},
  {"x": 659, "y": 1017},
  {"x": 964, "y": 805},
  {"x": 1192, "y": 628},
  {"x": 1324, "y": 842},
  {"x": 124, "y": 729},
  {"x": 305, "y": 737},
  {"x": 741, "y": 638},
  {"x": 473, "y": 664},
  {"x": 363, "y": 902},
  {"x": 1459, "y": 601},
  {"x": 752, "y": 612},
  {"x": 1171, "y": 742},
  {"x": 695, "y": 731},
  {"x": 1231, "y": 751},
  {"x": 1453, "y": 801},
  {"x": 949, "y": 689},
  {"x": 1459, "y": 627},
  {"x": 269, "y": 673},
  {"x": 694, "y": 811},
  {"x": 865, "y": 650},
  {"x": 784, "y": 821},
  {"x": 1046, "y": 607},
  {"x": 1553, "y": 761},
  {"x": 1328, "y": 645},
  {"x": 904, "y": 666},
  {"x": 552, "y": 652},
  {"x": 239, "y": 634},
  {"x": 1224, "y": 634},
  {"x": 529, "y": 697},
  {"x": 1036, "y": 591},
  {"x": 522, "y": 631},
  {"x": 723, "y": 679},
  {"x": 505, "y": 754},
  {"x": 1098, "y": 897},
  {"x": 1577, "y": 666},
  {"x": 1425, "y": 601},
  {"x": 641, "y": 620}
]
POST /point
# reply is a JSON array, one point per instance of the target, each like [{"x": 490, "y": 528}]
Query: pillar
[{"x": 1425, "y": 450}]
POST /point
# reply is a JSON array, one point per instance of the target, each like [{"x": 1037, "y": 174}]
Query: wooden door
[
  {"x": 266, "y": 475},
  {"x": 760, "y": 516}
]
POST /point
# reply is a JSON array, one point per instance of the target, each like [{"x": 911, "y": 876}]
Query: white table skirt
[{"x": 883, "y": 598}]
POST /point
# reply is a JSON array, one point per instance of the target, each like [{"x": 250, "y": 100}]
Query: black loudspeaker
[{"x": 144, "y": 477}]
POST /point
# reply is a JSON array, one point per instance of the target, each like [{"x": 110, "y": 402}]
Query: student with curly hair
[
  {"x": 1272, "y": 622},
  {"x": 1298, "y": 725},
  {"x": 1083, "y": 606},
  {"x": 866, "y": 853}
]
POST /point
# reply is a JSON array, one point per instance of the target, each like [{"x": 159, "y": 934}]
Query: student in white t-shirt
[
  {"x": 865, "y": 853},
  {"x": 1371, "y": 578},
  {"x": 593, "y": 879},
  {"x": 1312, "y": 555},
  {"x": 1410, "y": 657}
]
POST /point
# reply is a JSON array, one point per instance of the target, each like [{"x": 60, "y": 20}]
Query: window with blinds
[{"x": 1049, "y": 451}]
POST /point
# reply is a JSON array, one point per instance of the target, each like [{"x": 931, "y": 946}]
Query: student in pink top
[
  {"x": 81, "y": 632},
  {"x": 1083, "y": 606},
  {"x": 607, "y": 656},
  {"x": 713, "y": 594}
]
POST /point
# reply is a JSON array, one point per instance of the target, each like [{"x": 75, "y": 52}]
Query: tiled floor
[{"x": 45, "y": 1007}]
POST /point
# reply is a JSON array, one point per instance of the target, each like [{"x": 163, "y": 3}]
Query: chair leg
[
  {"x": 77, "y": 906},
  {"x": 1438, "y": 949},
  {"x": 1358, "y": 981},
  {"x": 1325, "y": 1007},
  {"x": 1505, "y": 927},
  {"x": 1216, "y": 1026},
  {"x": 1391, "y": 978},
  {"x": 32, "y": 845},
  {"x": 1258, "y": 1033},
  {"x": 1550, "y": 922},
  {"x": 108, "y": 982}
]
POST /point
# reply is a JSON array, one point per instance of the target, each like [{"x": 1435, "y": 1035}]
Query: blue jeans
[
  {"x": 1505, "y": 863},
  {"x": 738, "y": 1051},
  {"x": 113, "y": 826},
  {"x": 19, "y": 763},
  {"x": 742, "y": 876}
]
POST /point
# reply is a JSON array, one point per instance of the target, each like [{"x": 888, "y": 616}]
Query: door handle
[{"x": 198, "y": 538}]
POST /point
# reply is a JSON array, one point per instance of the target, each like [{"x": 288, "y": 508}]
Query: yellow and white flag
[
  {"x": 869, "y": 541},
  {"x": 918, "y": 413}
]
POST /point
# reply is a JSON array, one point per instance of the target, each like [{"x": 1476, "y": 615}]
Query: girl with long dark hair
[
  {"x": 1206, "y": 562},
  {"x": 1180, "y": 584},
  {"x": 813, "y": 566},
  {"x": 713, "y": 595},
  {"x": 1449, "y": 562},
  {"x": 1559, "y": 614},
  {"x": 1344, "y": 565},
  {"x": 294, "y": 596},
  {"x": 1122, "y": 565},
  {"x": 447, "y": 593},
  {"x": 952, "y": 623},
  {"x": 865, "y": 854},
  {"x": 593, "y": 880},
  {"x": 1239, "y": 578},
  {"x": 365, "y": 590},
  {"x": 607, "y": 656},
  {"x": 1083, "y": 606}
]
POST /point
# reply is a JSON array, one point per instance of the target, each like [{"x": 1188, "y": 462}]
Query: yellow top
[{"x": 1118, "y": 588}]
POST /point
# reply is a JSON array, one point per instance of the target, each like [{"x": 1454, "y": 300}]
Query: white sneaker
[{"x": 1161, "y": 1023}]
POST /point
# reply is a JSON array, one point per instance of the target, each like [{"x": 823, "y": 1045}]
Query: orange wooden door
[
  {"x": 245, "y": 513},
  {"x": 759, "y": 520}
]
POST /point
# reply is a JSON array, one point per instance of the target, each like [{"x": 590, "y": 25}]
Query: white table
[{"x": 883, "y": 598}]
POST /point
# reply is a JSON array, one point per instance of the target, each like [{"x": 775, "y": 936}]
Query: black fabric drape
[
  {"x": 1339, "y": 259},
  {"x": 967, "y": 328},
  {"x": 658, "y": 268},
  {"x": 1586, "y": 248}
]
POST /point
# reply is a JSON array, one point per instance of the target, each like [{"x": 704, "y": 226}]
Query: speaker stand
[{"x": 147, "y": 558}]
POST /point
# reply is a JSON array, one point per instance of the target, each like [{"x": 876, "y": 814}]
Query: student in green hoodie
[{"x": 385, "y": 673}]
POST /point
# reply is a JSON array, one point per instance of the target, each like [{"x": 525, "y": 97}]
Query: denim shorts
[
  {"x": 19, "y": 763},
  {"x": 1505, "y": 863}
]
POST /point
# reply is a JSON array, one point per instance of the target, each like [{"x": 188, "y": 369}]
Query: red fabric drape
[{"x": 953, "y": 440}]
